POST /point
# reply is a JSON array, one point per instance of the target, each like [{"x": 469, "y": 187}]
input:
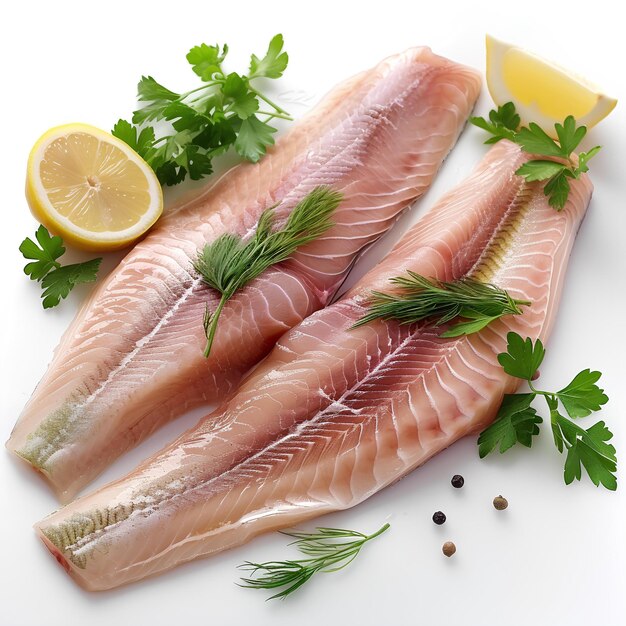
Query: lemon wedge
[
  {"x": 542, "y": 91},
  {"x": 91, "y": 188}
]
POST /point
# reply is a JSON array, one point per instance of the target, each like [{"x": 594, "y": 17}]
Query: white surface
[{"x": 557, "y": 555}]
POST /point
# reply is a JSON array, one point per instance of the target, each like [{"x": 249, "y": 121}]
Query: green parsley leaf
[
  {"x": 569, "y": 136},
  {"x": 597, "y": 436},
  {"x": 583, "y": 159},
  {"x": 148, "y": 90},
  {"x": 128, "y": 133},
  {"x": 150, "y": 112},
  {"x": 597, "y": 457},
  {"x": 244, "y": 102},
  {"x": 502, "y": 123},
  {"x": 253, "y": 138},
  {"x": 217, "y": 137},
  {"x": 522, "y": 358},
  {"x": 496, "y": 132},
  {"x": 207, "y": 60},
  {"x": 535, "y": 140},
  {"x": 195, "y": 162},
  {"x": 56, "y": 280},
  {"x": 475, "y": 322},
  {"x": 539, "y": 170},
  {"x": 58, "y": 283},
  {"x": 163, "y": 158},
  {"x": 506, "y": 116},
  {"x": 557, "y": 190},
  {"x": 516, "y": 422},
  {"x": 167, "y": 157},
  {"x": 582, "y": 395},
  {"x": 170, "y": 173},
  {"x": 45, "y": 254},
  {"x": 273, "y": 64},
  {"x": 125, "y": 131},
  {"x": 157, "y": 97},
  {"x": 184, "y": 118}
]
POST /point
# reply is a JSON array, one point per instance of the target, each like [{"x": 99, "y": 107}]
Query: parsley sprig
[
  {"x": 329, "y": 549},
  {"x": 504, "y": 123},
  {"x": 517, "y": 421},
  {"x": 229, "y": 263},
  {"x": 56, "y": 280},
  {"x": 420, "y": 298},
  {"x": 226, "y": 110}
]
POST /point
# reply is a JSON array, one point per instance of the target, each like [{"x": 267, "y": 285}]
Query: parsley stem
[
  {"x": 211, "y": 327},
  {"x": 201, "y": 88},
  {"x": 271, "y": 115},
  {"x": 268, "y": 101},
  {"x": 160, "y": 139},
  {"x": 546, "y": 394}
]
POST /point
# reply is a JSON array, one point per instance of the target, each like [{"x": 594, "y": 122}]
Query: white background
[{"x": 557, "y": 555}]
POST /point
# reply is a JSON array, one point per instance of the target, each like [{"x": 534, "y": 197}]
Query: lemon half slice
[
  {"x": 542, "y": 91},
  {"x": 91, "y": 188}
]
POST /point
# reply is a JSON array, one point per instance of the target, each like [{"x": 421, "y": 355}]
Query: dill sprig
[
  {"x": 229, "y": 263},
  {"x": 330, "y": 549},
  {"x": 423, "y": 298}
]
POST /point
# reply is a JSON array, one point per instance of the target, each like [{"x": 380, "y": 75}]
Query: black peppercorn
[
  {"x": 439, "y": 518},
  {"x": 457, "y": 481}
]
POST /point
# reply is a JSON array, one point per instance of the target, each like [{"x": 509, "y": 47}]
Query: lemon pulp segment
[
  {"x": 531, "y": 81},
  {"x": 93, "y": 184}
]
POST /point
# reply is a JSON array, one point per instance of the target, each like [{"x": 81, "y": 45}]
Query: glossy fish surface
[
  {"x": 336, "y": 413},
  {"x": 132, "y": 359}
]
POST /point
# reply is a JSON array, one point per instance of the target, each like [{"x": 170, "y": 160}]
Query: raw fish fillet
[
  {"x": 335, "y": 414},
  {"x": 132, "y": 359}
]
